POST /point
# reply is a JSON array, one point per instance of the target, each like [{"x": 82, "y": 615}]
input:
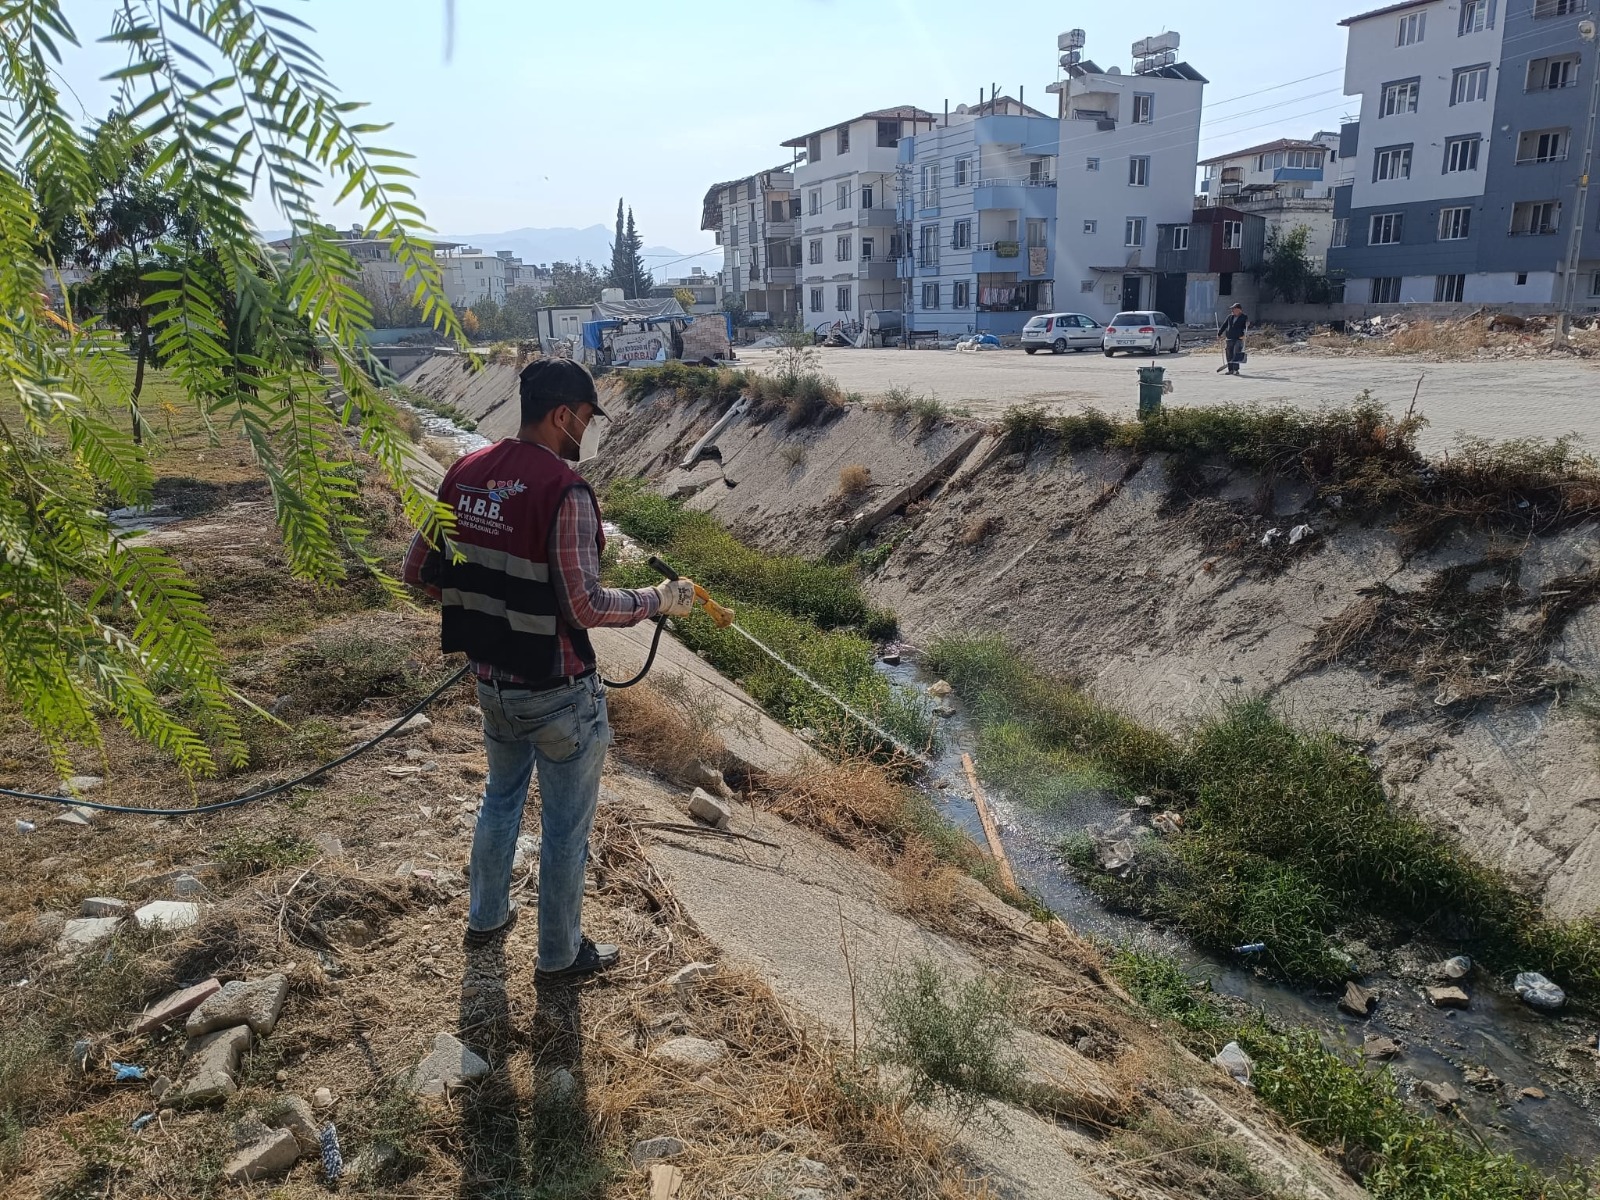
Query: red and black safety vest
[{"x": 499, "y": 605}]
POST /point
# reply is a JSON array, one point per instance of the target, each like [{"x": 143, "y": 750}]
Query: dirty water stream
[{"x": 1523, "y": 1048}]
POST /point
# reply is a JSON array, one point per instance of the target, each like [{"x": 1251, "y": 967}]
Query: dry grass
[
  {"x": 443, "y": 451},
  {"x": 979, "y": 530},
  {"x": 1486, "y": 335},
  {"x": 659, "y": 725},
  {"x": 854, "y": 480}
]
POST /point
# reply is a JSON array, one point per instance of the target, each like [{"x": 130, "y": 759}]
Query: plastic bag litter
[
  {"x": 332, "y": 1156},
  {"x": 1298, "y": 532},
  {"x": 25, "y": 826},
  {"x": 1538, "y": 991},
  {"x": 1271, "y": 536},
  {"x": 1235, "y": 1062},
  {"x": 127, "y": 1072}
]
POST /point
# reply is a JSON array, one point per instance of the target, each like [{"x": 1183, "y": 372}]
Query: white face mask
[{"x": 591, "y": 440}]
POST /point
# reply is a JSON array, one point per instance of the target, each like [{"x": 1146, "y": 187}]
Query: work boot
[
  {"x": 592, "y": 958},
  {"x": 475, "y": 938}
]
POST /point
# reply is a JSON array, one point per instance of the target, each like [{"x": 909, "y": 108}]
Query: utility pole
[
  {"x": 1569, "y": 280},
  {"x": 902, "y": 180}
]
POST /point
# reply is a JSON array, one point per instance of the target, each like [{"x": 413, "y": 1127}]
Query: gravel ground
[{"x": 1498, "y": 399}]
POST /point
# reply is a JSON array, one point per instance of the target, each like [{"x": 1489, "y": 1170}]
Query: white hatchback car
[
  {"x": 1144, "y": 332},
  {"x": 1060, "y": 332}
]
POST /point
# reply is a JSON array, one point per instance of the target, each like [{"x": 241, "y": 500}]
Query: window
[
  {"x": 738, "y": 259},
  {"x": 866, "y": 195},
  {"x": 963, "y": 171},
  {"x": 1232, "y": 235},
  {"x": 779, "y": 211},
  {"x": 814, "y": 251},
  {"x": 479, "y": 265},
  {"x": 1455, "y": 224},
  {"x": 1180, "y": 237},
  {"x": 841, "y": 297},
  {"x": 1531, "y": 218},
  {"x": 1461, "y": 154},
  {"x": 1386, "y": 290},
  {"x": 1091, "y": 226},
  {"x": 961, "y": 235},
  {"x": 816, "y": 299},
  {"x": 895, "y": 250},
  {"x": 928, "y": 247},
  {"x": 794, "y": 207},
  {"x": 930, "y": 295},
  {"x": 1448, "y": 289},
  {"x": 1341, "y": 233},
  {"x": 1594, "y": 284},
  {"x": 1034, "y": 233},
  {"x": 733, "y": 234},
  {"x": 1398, "y": 98},
  {"x": 1139, "y": 171},
  {"x": 1556, "y": 8},
  {"x": 930, "y": 187},
  {"x": 1036, "y": 170},
  {"x": 1091, "y": 164},
  {"x": 1386, "y": 229},
  {"x": 1144, "y": 108},
  {"x": 1225, "y": 284},
  {"x": 1474, "y": 16},
  {"x": 844, "y": 139},
  {"x": 1469, "y": 84},
  {"x": 867, "y": 247},
  {"x": 1411, "y": 29},
  {"x": 816, "y": 201},
  {"x": 814, "y": 148},
  {"x": 888, "y": 133},
  {"x": 1542, "y": 146},
  {"x": 1392, "y": 163},
  {"x": 843, "y": 197},
  {"x": 1552, "y": 74},
  {"x": 841, "y": 249},
  {"x": 1522, "y": 279},
  {"x": 960, "y": 294},
  {"x": 1133, "y": 232}
]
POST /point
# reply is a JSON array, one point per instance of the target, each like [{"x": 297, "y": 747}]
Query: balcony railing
[{"x": 1529, "y": 159}]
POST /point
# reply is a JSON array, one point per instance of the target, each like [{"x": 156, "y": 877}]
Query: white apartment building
[
  {"x": 470, "y": 275},
  {"x": 1128, "y": 147},
  {"x": 849, "y": 237}
]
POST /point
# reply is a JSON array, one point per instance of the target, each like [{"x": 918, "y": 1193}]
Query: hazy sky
[{"x": 544, "y": 113}]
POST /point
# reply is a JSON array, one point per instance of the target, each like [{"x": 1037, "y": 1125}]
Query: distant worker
[
  {"x": 519, "y": 586},
  {"x": 1233, "y": 328}
]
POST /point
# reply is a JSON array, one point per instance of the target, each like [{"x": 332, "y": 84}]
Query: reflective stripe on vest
[
  {"x": 490, "y": 606},
  {"x": 499, "y": 560}
]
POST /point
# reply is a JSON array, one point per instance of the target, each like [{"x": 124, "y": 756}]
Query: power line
[{"x": 1275, "y": 87}]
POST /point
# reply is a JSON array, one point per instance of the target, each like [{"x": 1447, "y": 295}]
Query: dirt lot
[{"x": 1496, "y": 399}]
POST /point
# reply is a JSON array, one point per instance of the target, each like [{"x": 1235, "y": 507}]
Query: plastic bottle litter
[
  {"x": 332, "y": 1157},
  {"x": 127, "y": 1072},
  {"x": 1250, "y": 948},
  {"x": 1235, "y": 1062},
  {"x": 1538, "y": 991},
  {"x": 25, "y": 826}
]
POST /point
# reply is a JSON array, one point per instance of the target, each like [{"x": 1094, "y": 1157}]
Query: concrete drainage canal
[{"x": 1509, "y": 1067}]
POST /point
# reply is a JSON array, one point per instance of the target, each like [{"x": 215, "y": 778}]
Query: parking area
[{"x": 1497, "y": 398}]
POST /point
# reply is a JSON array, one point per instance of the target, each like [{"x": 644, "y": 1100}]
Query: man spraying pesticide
[{"x": 519, "y": 587}]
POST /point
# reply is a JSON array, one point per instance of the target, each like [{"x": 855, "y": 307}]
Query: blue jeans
[{"x": 564, "y": 732}]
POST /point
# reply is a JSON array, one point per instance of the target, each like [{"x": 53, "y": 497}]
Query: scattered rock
[
  {"x": 178, "y": 1004},
  {"x": 940, "y": 689},
  {"x": 420, "y": 723},
  {"x": 168, "y": 915},
  {"x": 1481, "y": 1078},
  {"x": 1143, "y": 802},
  {"x": 273, "y": 1155},
  {"x": 1447, "y": 997},
  {"x": 944, "y": 710},
  {"x": 78, "y": 815},
  {"x": 655, "y": 1150},
  {"x": 296, "y": 1116},
  {"x": 450, "y": 1064},
  {"x": 1539, "y": 992},
  {"x": 684, "y": 978},
  {"x": 214, "y": 1059},
  {"x": 527, "y": 844},
  {"x": 1376, "y": 1046},
  {"x": 372, "y": 1162},
  {"x": 706, "y": 776},
  {"x": 703, "y": 806},
  {"x": 1169, "y": 823},
  {"x": 1440, "y": 1095},
  {"x": 328, "y": 845},
  {"x": 85, "y": 933},
  {"x": 1531, "y": 1093},
  {"x": 810, "y": 1170},
  {"x": 890, "y": 657},
  {"x": 160, "y": 1088},
  {"x": 1116, "y": 858},
  {"x": 1458, "y": 967},
  {"x": 352, "y": 931},
  {"x": 1357, "y": 1000},
  {"x": 255, "y": 1003},
  {"x": 1232, "y": 1059},
  {"x": 104, "y": 906},
  {"x": 689, "y": 1053},
  {"x": 187, "y": 885},
  {"x": 322, "y": 1099},
  {"x": 77, "y": 785},
  {"x": 560, "y": 1086}
]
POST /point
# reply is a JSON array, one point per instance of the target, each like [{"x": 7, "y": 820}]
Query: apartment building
[
  {"x": 977, "y": 218},
  {"x": 1288, "y": 182},
  {"x": 754, "y": 219},
  {"x": 1128, "y": 146},
  {"x": 848, "y": 223},
  {"x": 705, "y": 289},
  {"x": 1461, "y": 173}
]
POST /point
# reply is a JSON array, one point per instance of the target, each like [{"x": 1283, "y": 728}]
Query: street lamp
[{"x": 1587, "y": 31}]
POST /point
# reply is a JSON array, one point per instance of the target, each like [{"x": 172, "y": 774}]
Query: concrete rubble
[
  {"x": 273, "y": 1155},
  {"x": 255, "y": 1003},
  {"x": 689, "y": 1053},
  {"x": 1447, "y": 997},
  {"x": 212, "y": 1061},
  {"x": 104, "y": 906},
  {"x": 171, "y": 916},
  {"x": 448, "y": 1065},
  {"x": 85, "y": 933},
  {"x": 179, "y": 1004},
  {"x": 655, "y": 1149},
  {"x": 1357, "y": 1000},
  {"x": 703, "y": 806}
]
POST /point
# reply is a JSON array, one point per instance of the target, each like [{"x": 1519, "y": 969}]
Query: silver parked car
[
  {"x": 1140, "y": 332},
  {"x": 1060, "y": 332}
]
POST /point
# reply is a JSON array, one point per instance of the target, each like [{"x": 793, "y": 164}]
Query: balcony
[
  {"x": 876, "y": 218},
  {"x": 785, "y": 228},
  {"x": 879, "y": 266},
  {"x": 1297, "y": 175},
  {"x": 1003, "y": 258},
  {"x": 1031, "y": 197},
  {"x": 781, "y": 275}
]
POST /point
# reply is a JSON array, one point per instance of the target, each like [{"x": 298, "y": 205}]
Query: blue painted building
[{"x": 977, "y": 210}]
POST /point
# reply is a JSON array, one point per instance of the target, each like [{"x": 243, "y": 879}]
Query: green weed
[
  {"x": 250, "y": 853},
  {"x": 952, "y": 1039},
  {"x": 339, "y": 670}
]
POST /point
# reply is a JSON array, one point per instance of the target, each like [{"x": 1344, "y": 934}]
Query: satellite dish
[{"x": 1586, "y": 30}]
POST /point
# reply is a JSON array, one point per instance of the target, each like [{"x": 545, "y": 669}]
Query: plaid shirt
[{"x": 574, "y": 557}]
